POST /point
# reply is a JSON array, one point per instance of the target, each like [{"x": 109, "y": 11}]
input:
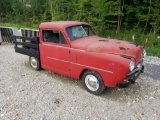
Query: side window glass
[
  {"x": 53, "y": 36},
  {"x": 50, "y": 36},
  {"x": 62, "y": 39}
]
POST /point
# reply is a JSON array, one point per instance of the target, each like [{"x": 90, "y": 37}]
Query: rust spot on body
[
  {"x": 122, "y": 48},
  {"x": 103, "y": 40}
]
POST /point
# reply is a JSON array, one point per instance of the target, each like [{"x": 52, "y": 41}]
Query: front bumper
[{"x": 132, "y": 76}]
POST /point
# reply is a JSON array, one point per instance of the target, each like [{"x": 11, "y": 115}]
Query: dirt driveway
[{"x": 26, "y": 94}]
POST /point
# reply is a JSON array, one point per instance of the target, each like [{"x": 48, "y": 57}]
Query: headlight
[
  {"x": 144, "y": 53},
  {"x": 131, "y": 65}
]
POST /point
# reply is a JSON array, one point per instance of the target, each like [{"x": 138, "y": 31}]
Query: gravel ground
[{"x": 26, "y": 94}]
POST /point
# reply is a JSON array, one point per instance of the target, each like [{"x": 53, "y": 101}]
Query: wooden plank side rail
[{"x": 27, "y": 45}]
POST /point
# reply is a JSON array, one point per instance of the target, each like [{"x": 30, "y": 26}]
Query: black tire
[
  {"x": 34, "y": 63},
  {"x": 91, "y": 77}
]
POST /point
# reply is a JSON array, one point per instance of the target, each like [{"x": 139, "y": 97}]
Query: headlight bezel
[{"x": 131, "y": 65}]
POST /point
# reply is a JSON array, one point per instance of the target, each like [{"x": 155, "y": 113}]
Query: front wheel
[
  {"x": 93, "y": 82},
  {"x": 34, "y": 62}
]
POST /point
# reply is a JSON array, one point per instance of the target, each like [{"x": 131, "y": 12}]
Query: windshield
[{"x": 79, "y": 31}]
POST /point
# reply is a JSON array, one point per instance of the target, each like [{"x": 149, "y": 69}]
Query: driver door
[{"x": 56, "y": 52}]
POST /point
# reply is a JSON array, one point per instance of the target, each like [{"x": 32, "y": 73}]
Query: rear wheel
[
  {"x": 34, "y": 62},
  {"x": 93, "y": 82}
]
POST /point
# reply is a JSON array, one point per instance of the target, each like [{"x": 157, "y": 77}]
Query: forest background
[{"x": 132, "y": 20}]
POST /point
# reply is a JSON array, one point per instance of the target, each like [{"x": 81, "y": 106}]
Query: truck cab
[{"x": 55, "y": 44}]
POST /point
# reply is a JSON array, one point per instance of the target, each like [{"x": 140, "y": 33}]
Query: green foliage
[
  {"x": 153, "y": 51},
  {"x": 119, "y": 19}
]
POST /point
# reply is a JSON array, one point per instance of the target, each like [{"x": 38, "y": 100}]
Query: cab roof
[{"x": 60, "y": 24}]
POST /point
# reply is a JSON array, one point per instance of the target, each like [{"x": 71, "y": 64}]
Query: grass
[
  {"x": 152, "y": 47},
  {"x": 153, "y": 51},
  {"x": 24, "y": 25}
]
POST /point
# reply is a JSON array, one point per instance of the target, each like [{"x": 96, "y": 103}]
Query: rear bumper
[{"x": 132, "y": 76}]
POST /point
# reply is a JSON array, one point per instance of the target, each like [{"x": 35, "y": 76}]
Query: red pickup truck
[{"x": 73, "y": 49}]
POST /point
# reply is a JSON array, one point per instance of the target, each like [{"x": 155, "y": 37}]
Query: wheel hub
[
  {"x": 92, "y": 82},
  {"x": 33, "y": 62}
]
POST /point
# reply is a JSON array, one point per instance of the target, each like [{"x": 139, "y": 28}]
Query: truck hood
[{"x": 110, "y": 46}]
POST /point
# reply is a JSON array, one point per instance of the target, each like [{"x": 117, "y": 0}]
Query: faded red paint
[{"x": 89, "y": 53}]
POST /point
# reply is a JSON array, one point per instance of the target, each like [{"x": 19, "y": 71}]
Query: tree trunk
[
  {"x": 119, "y": 17},
  {"x": 147, "y": 16}
]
